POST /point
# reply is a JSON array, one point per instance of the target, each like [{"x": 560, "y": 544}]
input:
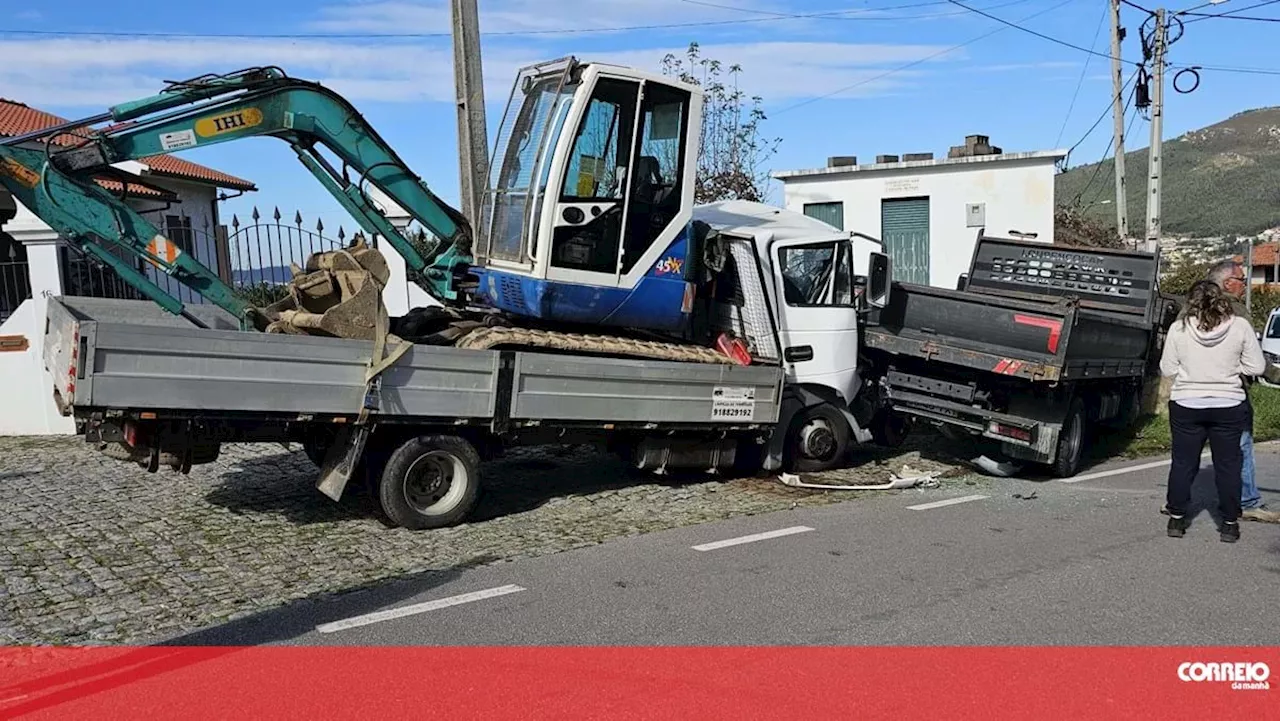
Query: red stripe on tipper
[
  {"x": 1054, "y": 326},
  {"x": 1002, "y": 365},
  {"x": 1014, "y": 367}
]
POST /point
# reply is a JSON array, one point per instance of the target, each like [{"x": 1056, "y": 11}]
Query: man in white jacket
[
  {"x": 1208, "y": 352},
  {"x": 1230, "y": 276}
]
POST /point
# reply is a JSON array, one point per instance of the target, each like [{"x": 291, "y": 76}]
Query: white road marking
[
  {"x": 948, "y": 502},
  {"x": 752, "y": 538},
  {"x": 1127, "y": 469},
  {"x": 416, "y": 608}
]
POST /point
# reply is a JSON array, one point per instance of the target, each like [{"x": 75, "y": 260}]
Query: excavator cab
[{"x": 588, "y": 211}]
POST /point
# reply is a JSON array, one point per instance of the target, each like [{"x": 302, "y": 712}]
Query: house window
[
  {"x": 178, "y": 229},
  {"x": 830, "y": 213}
]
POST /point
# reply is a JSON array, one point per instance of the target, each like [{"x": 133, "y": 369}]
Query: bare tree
[{"x": 731, "y": 164}]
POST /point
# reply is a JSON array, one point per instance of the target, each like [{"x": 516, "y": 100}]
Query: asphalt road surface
[{"x": 1013, "y": 562}]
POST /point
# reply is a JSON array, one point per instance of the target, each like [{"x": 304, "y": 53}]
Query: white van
[{"x": 1270, "y": 337}]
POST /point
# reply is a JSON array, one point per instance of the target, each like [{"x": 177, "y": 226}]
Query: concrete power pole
[
  {"x": 1117, "y": 112},
  {"x": 473, "y": 134},
  {"x": 1155, "y": 152}
]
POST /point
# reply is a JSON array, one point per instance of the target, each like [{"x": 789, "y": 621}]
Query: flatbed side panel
[
  {"x": 156, "y": 367},
  {"x": 624, "y": 390}
]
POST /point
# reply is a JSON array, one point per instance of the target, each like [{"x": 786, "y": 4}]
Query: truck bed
[
  {"x": 131, "y": 356},
  {"x": 1030, "y": 311}
]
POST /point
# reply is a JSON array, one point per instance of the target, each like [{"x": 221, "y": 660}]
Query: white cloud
[
  {"x": 506, "y": 16},
  {"x": 81, "y": 72}
]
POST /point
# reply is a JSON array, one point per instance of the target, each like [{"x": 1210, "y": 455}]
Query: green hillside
[{"x": 1219, "y": 180}]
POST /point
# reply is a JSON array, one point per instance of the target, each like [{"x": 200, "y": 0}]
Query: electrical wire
[
  {"x": 1080, "y": 81},
  {"x": 1128, "y": 128},
  {"x": 501, "y": 33},
  {"x": 1108, "y": 56},
  {"x": 1104, "y": 113},
  {"x": 913, "y": 63},
  {"x": 1029, "y": 31},
  {"x": 1098, "y": 168},
  {"x": 854, "y": 14},
  {"x": 1231, "y": 14},
  {"x": 1139, "y": 7}
]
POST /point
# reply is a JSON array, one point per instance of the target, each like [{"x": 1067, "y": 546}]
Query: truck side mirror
[{"x": 878, "y": 281}]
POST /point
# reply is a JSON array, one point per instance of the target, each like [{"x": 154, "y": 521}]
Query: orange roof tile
[
  {"x": 1266, "y": 254},
  {"x": 17, "y": 119}
]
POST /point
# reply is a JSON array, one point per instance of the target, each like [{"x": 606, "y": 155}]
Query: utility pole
[
  {"x": 473, "y": 134},
  {"x": 1248, "y": 274},
  {"x": 1157, "y": 130},
  {"x": 1117, "y": 113}
]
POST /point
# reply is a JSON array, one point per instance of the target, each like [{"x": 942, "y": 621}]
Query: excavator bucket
[{"x": 338, "y": 294}]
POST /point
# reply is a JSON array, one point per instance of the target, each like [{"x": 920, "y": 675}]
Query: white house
[
  {"x": 929, "y": 211},
  {"x": 177, "y": 195}
]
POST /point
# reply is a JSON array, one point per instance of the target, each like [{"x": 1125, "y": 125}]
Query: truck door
[{"x": 818, "y": 313}]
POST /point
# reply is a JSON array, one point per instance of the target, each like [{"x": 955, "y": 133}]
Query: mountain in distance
[{"x": 1218, "y": 181}]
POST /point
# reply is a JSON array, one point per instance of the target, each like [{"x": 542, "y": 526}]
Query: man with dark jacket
[{"x": 1229, "y": 275}]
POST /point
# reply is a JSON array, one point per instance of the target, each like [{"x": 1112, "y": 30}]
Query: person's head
[
  {"x": 1208, "y": 304},
  {"x": 1229, "y": 276}
]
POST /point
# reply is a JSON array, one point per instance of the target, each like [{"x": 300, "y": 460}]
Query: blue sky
[{"x": 829, "y": 84}]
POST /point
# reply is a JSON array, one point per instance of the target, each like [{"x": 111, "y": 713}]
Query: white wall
[
  {"x": 26, "y": 388},
  {"x": 1018, "y": 195}
]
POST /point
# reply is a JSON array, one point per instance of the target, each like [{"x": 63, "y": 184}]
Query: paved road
[{"x": 1008, "y": 562}]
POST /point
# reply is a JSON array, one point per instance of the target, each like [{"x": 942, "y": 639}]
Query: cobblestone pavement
[{"x": 98, "y": 551}]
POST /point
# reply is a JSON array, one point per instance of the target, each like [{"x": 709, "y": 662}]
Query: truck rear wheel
[
  {"x": 818, "y": 439},
  {"x": 1070, "y": 441},
  {"x": 430, "y": 482}
]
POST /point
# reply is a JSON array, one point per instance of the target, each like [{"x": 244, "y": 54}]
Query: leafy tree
[{"x": 731, "y": 165}]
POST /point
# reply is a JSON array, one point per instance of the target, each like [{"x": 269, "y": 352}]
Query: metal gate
[{"x": 904, "y": 227}]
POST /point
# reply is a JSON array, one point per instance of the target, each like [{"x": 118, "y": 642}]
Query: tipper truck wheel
[
  {"x": 1070, "y": 441},
  {"x": 430, "y": 482}
]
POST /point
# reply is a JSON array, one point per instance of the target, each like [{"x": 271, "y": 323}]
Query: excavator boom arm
[{"x": 263, "y": 102}]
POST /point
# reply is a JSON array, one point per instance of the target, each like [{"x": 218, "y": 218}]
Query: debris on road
[
  {"x": 910, "y": 478},
  {"x": 1003, "y": 469}
]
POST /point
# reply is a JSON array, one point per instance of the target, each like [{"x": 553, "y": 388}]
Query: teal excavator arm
[{"x": 57, "y": 184}]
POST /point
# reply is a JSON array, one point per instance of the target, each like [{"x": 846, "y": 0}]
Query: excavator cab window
[
  {"x": 657, "y": 185},
  {"x": 590, "y": 222}
]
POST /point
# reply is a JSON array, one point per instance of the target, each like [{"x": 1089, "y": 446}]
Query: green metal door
[
  {"x": 904, "y": 227},
  {"x": 830, "y": 213}
]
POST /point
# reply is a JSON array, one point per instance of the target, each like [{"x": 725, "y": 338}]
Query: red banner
[{"x": 632, "y": 683}]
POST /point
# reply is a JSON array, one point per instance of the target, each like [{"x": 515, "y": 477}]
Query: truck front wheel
[
  {"x": 818, "y": 439},
  {"x": 430, "y": 482}
]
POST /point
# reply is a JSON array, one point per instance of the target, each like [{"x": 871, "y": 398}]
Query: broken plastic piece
[{"x": 734, "y": 348}]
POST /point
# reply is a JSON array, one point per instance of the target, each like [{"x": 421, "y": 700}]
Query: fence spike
[
  {"x": 255, "y": 214},
  {"x": 277, "y": 214},
  {"x": 319, "y": 226},
  {"x": 297, "y": 218},
  {"x": 341, "y": 233},
  {"x": 235, "y": 221}
]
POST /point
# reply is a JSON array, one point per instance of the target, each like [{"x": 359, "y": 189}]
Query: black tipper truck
[{"x": 1038, "y": 344}]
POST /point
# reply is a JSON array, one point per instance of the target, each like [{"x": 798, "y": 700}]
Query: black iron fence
[
  {"x": 15, "y": 286},
  {"x": 253, "y": 257}
]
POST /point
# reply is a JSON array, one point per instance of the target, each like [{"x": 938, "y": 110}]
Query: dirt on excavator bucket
[{"x": 338, "y": 294}]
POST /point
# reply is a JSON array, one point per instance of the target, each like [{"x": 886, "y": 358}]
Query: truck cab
[{"x": 800, "y": 296}]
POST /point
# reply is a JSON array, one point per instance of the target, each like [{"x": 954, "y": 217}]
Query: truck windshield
[{"x": 1273, "y": 327}]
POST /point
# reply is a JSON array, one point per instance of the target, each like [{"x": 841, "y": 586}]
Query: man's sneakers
[
  {"x": 1259, "y": 514},
  {"x": 1178, "y": 526}
]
